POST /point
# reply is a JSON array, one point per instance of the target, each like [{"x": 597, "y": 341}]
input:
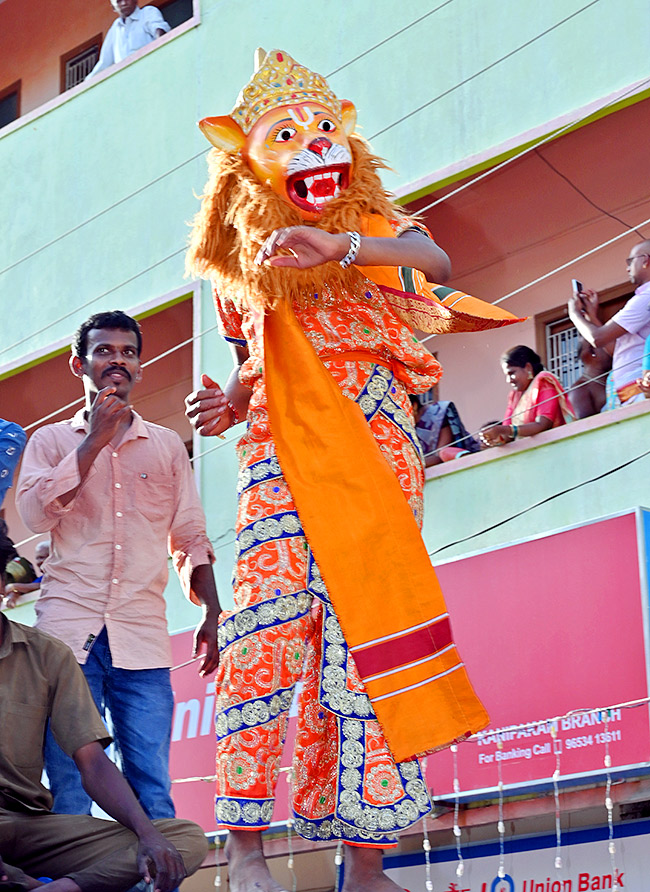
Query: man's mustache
[{"x": 116, "y": 368}]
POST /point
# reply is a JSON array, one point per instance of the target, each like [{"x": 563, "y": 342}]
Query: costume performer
[{"x": 318, "y": 287}]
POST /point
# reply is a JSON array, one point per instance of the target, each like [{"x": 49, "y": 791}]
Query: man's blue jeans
[{"x": 141, "y": 703}]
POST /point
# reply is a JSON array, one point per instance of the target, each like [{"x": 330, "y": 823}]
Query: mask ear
[
  {"x": 348, "y": 116},
  {"x": 223, "y": 133},
  {"x": 76, "y": 366}
]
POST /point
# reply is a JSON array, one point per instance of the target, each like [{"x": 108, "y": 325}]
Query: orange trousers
[{"x": 283, "y": 631}]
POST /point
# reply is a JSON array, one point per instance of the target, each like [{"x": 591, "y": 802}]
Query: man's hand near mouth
[{"x": 108, "y": 418}]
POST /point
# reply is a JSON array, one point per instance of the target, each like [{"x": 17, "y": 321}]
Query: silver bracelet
[{"x": 351, "y": 256}]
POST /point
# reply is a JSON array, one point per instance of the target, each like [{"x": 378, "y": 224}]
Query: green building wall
[
  {"x": 118, "y": 167},
  {"x": 434, "y": 85}
]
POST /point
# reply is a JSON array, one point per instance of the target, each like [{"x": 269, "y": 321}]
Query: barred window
[
  {"x": 79, "y": 62},
  {"x": 562, "y": 360}
]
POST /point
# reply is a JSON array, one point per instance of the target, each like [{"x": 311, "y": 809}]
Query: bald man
[{"x": 625, "y": 334}]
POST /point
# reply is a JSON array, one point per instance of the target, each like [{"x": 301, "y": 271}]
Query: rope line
[
  {"x": 483, "y": 70},
  {"x": 524, "y": 726},
  {"x": 555, "y": 134},
  {"x": 92, "y": 300},
  {"x": 389, "y": 38},
  {"x": 544, "y": 501}
]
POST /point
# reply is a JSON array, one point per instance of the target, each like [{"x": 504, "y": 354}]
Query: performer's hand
[
  {"x": 160, "y": 861},
  {"x": 308, "y": 246},
  {"x": 208, "y": 410}
]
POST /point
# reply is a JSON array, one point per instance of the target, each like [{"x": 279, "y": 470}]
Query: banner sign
[
  {"x": 545, "y": 627},
  {"x": 588, "y": 868}
]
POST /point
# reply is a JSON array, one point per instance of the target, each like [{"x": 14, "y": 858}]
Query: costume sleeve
[
  {"x": 74, "y": 718},
  {"x": 229, "y": 320},
  {"x": 12, "y": 443},
  {"x": 635, "y": 314},
  {"x": 548, "y": 403},
  {"x": 188, "y": 542},
  {"x": 44, "y": 477},
  {"x": 154, "y": 20},
  {"x": 409, "y": 224}
]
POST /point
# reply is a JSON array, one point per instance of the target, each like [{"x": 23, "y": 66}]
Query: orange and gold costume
[
  {"x": 332, "y": 583},
  {"x": 284, "y": 628}
]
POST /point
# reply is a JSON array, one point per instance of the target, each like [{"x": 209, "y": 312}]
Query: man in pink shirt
[
  {"x": 626, "y": 332},
  {"x": 116, "y": 494}
]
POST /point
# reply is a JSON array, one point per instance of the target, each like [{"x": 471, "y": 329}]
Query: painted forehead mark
[{"x": 302, "y": 116}]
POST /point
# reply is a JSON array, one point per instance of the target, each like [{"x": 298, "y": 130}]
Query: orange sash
[
  {"x": 369, "y": 550},
  {"x": 434, "y": 309}
]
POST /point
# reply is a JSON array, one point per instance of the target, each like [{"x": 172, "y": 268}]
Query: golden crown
[{"x": 280, "y": 80}]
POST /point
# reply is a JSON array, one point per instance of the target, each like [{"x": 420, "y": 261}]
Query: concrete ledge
[{"x": 526, "y": 444}]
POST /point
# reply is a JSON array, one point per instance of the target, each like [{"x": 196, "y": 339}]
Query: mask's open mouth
[{"x": 311, "y": 189}]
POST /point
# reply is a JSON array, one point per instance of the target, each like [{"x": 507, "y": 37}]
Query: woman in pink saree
[{"x": 536, "y": 403}]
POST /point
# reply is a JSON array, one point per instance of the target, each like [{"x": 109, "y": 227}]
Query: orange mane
[{"x": 238, "y": 213}]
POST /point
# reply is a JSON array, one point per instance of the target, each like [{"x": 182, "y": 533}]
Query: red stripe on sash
[{"x": 408, "y": 648}]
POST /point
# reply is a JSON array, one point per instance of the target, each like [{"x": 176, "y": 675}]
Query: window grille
[
  {"x": 562, "y": 360},
  {"x": 79, "y": 66}
]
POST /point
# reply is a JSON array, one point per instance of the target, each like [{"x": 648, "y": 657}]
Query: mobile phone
[{"x": 576, "y": 285}]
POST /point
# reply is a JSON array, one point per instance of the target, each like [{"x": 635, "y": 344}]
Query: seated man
[
  {"x": 133, "y": 29},
  {"x": 40, "y": 680},
  {"x": 15, "y": 590}
]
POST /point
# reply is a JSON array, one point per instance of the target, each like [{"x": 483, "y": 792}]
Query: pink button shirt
[{"x": 110, "y": 544}]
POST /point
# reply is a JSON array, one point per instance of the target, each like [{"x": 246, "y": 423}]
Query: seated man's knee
[{"x": 188, "y": 838}]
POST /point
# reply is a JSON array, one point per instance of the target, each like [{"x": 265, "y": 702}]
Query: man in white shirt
[
  {"x": 133, "y": 29},
  {"x": 626, "y": 332}
]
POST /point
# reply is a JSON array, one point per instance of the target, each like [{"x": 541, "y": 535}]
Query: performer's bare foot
[
  {"x": 247, "y": 869},
  {"x": 364, "y": 873}
]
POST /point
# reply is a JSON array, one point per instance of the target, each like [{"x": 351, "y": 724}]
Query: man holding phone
[{"x": 624, "y": 335}]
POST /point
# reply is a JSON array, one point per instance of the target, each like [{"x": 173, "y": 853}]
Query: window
[
  {"x": 557, "y": 339},
  {"x": 9, "y": 104},
  {"x": 175, "y": 12},
  {"x": 561, "y": 341},
  {"x": 79, "y": 62}
]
